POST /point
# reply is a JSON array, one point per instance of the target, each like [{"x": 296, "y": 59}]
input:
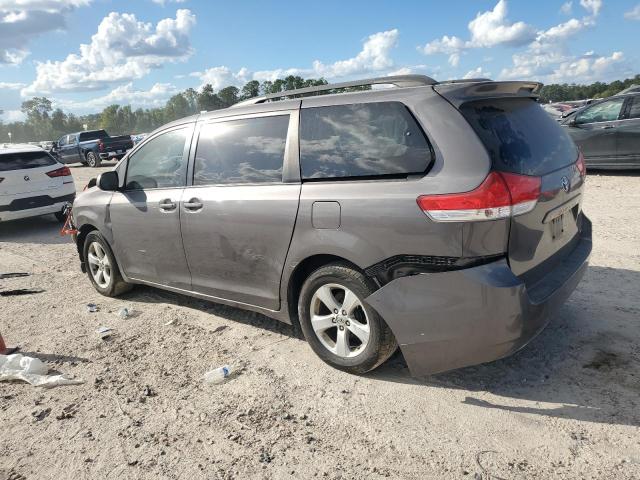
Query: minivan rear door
[
  {"x": 522, "y": 139},
  {"x": 239, "y": 212}
]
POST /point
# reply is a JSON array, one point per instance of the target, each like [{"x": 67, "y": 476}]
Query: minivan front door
[
  {"x": 595, "y": 131},
  {"x": 239, "y": 214},
  {"x": 145, "y": 215}
]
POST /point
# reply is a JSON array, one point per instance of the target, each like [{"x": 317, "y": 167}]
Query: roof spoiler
[{"x": 461, "y": 93}]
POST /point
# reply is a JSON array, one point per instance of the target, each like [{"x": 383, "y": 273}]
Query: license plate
[{"x": 557, "y": 226}]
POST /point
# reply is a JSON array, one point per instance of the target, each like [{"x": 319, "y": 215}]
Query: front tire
[
  {"x": 102, "y": 268},
  {"x": 339, "y": 326},
  {"x": 93, "y": 160}
]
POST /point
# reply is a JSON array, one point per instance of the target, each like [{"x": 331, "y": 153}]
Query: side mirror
[{"x": 108, "y": 181}]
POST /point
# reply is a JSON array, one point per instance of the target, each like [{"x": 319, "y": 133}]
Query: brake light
[
  {"x": 500, "y": 195},
  {"x": 100, "y": 145},
  {"x": 60, "y": 172},
  {"x": 582, "y": 167}
]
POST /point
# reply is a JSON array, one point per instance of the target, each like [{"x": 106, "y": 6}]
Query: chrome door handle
[
  {"x": 606, "y": 127},
  {"x": 193, "y": 205},
  {"x": 167, "y": 205}
]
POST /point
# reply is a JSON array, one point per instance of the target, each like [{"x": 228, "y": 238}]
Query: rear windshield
[
  {"x": 519, "y": 136},
  {"x": 86, "y": 136},
  {"x": 22, "y": 160}
]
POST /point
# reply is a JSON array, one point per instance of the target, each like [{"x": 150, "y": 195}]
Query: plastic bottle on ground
[{"x": 217, "y": 375}]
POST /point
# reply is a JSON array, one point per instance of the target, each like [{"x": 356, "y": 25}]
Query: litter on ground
[{"x": 31, "y": 370}]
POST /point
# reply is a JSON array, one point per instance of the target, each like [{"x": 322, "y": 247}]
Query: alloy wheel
[
  {"x": 339, "y": 320},
  {"x": 99, "y": 264}
]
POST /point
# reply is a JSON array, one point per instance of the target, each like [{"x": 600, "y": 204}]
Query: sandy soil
[{"x": 564, "y": 407}]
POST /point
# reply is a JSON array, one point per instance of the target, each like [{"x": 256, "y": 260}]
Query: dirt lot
[{"x": 567, "y": 406}]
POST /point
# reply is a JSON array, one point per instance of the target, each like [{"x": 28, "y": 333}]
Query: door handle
[
  {"x": 193, "y": 205},
  {"x": 606, "y": 127},
  {"x": 167, "y": 205}
]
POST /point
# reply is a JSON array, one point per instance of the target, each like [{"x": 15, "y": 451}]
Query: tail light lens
[
  {"x": 582, "y": 168},
  {"x": 60, "y": 172},
  {"x": 501, "y": 195}
]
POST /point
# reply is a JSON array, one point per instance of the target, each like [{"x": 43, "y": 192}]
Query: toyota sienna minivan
[{"x": 441, "y": 217}]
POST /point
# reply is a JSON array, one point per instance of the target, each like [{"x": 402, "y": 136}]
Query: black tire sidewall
[
  {"x": 357, "y": 283},
  {"x": 93, "y": 163},
  {"x": 95, "y": 236}
]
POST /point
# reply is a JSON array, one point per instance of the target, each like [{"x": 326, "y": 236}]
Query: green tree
[{"x": 251, "y": 89}]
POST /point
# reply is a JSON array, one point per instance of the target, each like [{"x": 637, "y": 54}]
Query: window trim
[
  {"x": 290, "y": 160},
  {"x": 629, "y": 102},
  {"x": 380, "y": 177},
  {"x": 185, "y": 156}
]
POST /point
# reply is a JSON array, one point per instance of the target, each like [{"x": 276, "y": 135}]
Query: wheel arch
[{"x": 302, "y": 271}]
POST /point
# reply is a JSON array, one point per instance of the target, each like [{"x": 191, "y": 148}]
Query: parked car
[
  {"x": 608, "y": 132},
  {"x": 443, "y": 218},
  {"x": 33, "y": 183},
  {"x": 91, "y": 147},
  {"x": 138, "y": 138}
]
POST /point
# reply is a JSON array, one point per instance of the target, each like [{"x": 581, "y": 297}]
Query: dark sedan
[{"x": 608, "y": 132}]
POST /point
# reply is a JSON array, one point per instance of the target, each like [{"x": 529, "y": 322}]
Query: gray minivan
[{"x": 441, "y": 217}]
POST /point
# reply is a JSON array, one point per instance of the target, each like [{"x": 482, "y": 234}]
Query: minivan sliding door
[{"x": 238, "y": 216}]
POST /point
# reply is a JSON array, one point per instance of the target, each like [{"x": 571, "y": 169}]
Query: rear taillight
[
  {"x": 100, "y": 145},
  {"x": 501, "y": 195},
  {"x": 60, "y": 172},
  {"x": 582, "y": 168}
]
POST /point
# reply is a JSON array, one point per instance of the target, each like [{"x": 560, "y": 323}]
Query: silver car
[{"x": 441, "y": 217}]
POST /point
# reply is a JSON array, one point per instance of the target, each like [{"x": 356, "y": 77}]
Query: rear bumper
[
  {"x": 112, "y": 155},
  {"x": 449, "y": 320},
  {"x": 34, "y": 206}
]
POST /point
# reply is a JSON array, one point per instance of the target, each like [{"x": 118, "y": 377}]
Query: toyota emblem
[
  {"x": 26, "y": 178},
  {"x": 565, "y": 184}
]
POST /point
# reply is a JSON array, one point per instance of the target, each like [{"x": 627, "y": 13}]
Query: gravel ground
[{"x": 564, "y": 407}]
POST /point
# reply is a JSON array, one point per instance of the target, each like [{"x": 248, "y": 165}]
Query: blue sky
[{"x": 87, "y": 54}]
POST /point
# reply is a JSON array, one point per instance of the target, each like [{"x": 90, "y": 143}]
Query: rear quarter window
[
  {"x": 365, "y": 140},
  {"x": 23, "y": 160},
  {"x": 520, "y": 136}
]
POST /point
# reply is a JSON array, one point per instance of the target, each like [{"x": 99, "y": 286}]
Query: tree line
[{"x": 43, "y": 122}]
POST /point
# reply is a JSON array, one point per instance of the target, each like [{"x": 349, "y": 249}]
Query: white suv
[{"x": 32, "y": 183}]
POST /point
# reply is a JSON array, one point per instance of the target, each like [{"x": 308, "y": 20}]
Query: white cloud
[
  {"x": 493, "y": 28},
  {"x": 373, "y": 58},
  {"x": 633, "y": 14},
  {"x": 11, "y": 85},
  {"x": 10, "y": 116},
  {"x": 567, "y": 7},
  {"x": 477, "y": 73},
  {"x": 22, "y": 20},
  {"x": 592, "y": 6},
  {"x": 126, "y": 94},
  {"x": 488, "y": 29},
  {"x": 123, "y": 49}
]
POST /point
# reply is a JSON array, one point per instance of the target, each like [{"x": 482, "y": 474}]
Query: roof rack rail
[
  {"x": 467, "y": 80},
  {"x": 397, "y": 80}
]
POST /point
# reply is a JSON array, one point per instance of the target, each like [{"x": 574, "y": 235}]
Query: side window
[
  {"x": 634, "y": 108},
  {"x": 63, "y": 141},
  {"x": 602, "y": 112},
  {"x": 159, "y": 163},
  {"x": 361, "y": 140},
  {"x": 241, "y": 151},
  {"x": 72, "y": 139}
]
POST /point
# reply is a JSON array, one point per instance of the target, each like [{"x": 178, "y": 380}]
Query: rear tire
[
  {"x": 339, "y": 326},
  {"x": 93, "y": 160},
  {"x": 102, "y": 268}
]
